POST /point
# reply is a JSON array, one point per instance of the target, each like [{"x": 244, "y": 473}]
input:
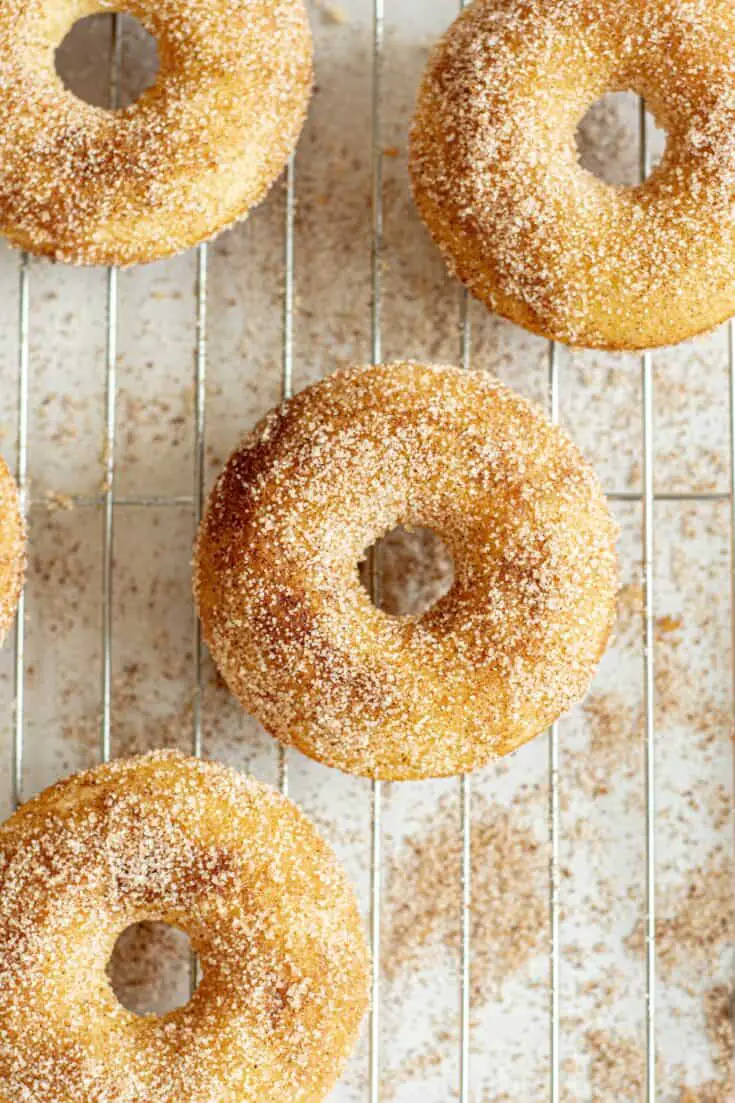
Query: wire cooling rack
[{"x": 110, "y": 503}]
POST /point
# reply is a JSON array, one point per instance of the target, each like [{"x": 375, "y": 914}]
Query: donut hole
[
  {"x": 84, "y": 60},
  {"x": 151, "y": 969},
  {"x": 416, "y": 570},
  {"x": 608, "y": 140}
]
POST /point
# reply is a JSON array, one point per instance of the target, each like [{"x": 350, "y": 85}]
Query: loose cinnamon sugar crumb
[
  {"x": 509, "y": 907},
  {"x": 630, "y": 609},
  {"x": 615, "y": 745},
  {"x": 331, "y": 13},
  {"x": 616, "y": 1068},
  {"x": 693, "y": 928},
  {"x": 55, "y": 500},
  {"x": 682, "y": 699},
  {"x": 718, "y": 1012}
]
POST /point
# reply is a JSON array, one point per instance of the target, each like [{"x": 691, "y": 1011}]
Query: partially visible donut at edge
[
  {"x": 192, "y": 156},
  {"x": 12, "y": 549},
  {"x": 514, "y": 642},
  {"x": 497, "y": 180},
  {"x": 269, "y": 911}
]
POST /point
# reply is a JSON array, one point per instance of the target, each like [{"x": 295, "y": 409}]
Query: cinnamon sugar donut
[
  {"x": 497, "y": 179},
  {"x": 12, "y": 548},
  {"x": 190, "y": 157},
  {"x": 228, "y": 860},
  {"x": 511, "y": 645}
]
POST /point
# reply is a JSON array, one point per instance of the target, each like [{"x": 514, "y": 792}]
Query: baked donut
[
  {"x": 228, "y": 860},
  {"x": 190, "y": 157},
  {"x": 497, "y": 179},
  {"x": 511, "y": 645},
  {"x": 12, "y": 548}
]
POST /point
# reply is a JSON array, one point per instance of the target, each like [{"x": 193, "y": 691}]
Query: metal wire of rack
[
  {"x": 373, "y": 562},
  {"x": 109, "y": 502}
]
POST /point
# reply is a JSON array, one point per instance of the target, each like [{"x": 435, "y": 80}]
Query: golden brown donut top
[
  {"x": 192, "y": 155},
  {"x": 497, "y": 179},
  {"x": 511, "y": 645},
  {"x": 226, "y": 859}
]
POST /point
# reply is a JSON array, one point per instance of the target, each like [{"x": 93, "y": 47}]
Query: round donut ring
[
  {"x": 490, "y": 665},
  {"x": 242, "y": 871},
  {"x": 497, "y": 179},
  {"x": 189, "y": 158},
  {"x": 12, "y": 549}
]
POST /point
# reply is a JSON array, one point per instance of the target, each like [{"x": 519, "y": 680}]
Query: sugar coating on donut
[
  {"x": 511, "y": 646},
  {"x": 12, "y": 548},
  {"x": 228, "y": 860},
  {"x": 189, "y": 158},
  {"x": 497, "y": 180}
]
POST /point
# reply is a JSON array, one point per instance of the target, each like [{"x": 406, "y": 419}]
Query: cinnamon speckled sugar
[
  {"x": 497, "y": 178},
  {"x": 230, "y": 861},
  {"x": 190, "y": 157},
  {"x": 508, "y": 648}
]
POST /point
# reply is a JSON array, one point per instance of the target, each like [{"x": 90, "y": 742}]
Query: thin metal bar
[
  {"x": 555, "y": 949},
  {"x": 376, "y": 829},
  {"x": 288, "y": 287},
  {"x": 24, "y": 292},
  {"x": 465, "y": 819},
  {"x": 731, "y": 378},
  {"x": 200, "y": 414},
  {"x": 287, "y": 358},
  {"x": 200, "y": 426},
  {"x": 83, "y": 501},
  {"x": 109, "y": 512},
  {"x": 108, "y": 459},
  {"x": 648, "y": 658},
  {"x": 647, "y": 385},
  {"x": 377, "y": 182},
  {"x": 671, "y": 496},
  {"x": 375, "y": 916},
  {"x": 465, "y": 816}
]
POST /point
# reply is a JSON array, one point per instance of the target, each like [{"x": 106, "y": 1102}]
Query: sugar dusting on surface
[
  {"x": 511, "y": 645},
  {"x": 195, "y": 845},
  {"x": 190, "y": 157},
  {"x": 718, "y": 1015},
  {"x": 694, "y": 927},
  {"x": 497, "y": 178},
  {"x": 509, "y": 911}
]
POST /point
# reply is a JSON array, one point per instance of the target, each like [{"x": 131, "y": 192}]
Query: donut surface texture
[
  {"x": 189, "y": 158},
  {"x": 511, "y": 645},
  {"x": 497, "y": 179},
  {"x": 12, "y": 549},
  {"x": 224, "y": 858}
]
